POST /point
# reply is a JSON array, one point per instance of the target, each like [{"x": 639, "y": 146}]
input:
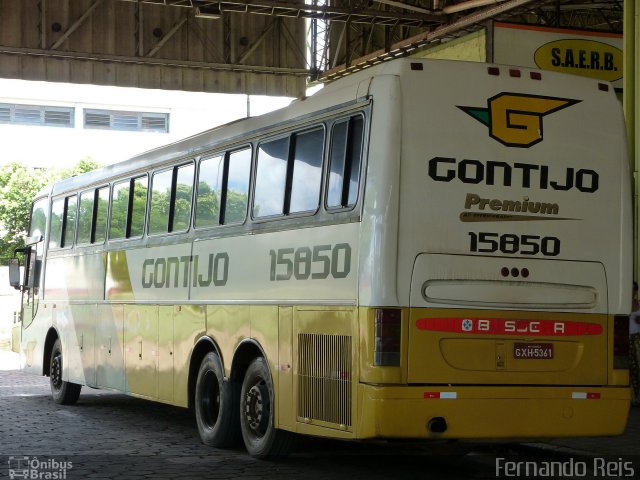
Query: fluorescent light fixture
[{"x": 207, "y": 14}]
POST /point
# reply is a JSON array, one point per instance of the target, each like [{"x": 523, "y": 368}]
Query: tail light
[
  {"x": 621, "y": 342},
  {"x": 388, "y": 328}
]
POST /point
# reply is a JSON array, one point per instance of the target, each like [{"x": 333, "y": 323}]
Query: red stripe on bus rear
[{"x": 503, "y": 326}]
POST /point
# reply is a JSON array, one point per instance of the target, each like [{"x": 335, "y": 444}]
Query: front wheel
[
  {"x": 256, "y": 415},
  {"x": 63, "y": 393}
]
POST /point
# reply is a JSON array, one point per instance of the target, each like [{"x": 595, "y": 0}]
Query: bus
[{"x": 422, "y": 250}]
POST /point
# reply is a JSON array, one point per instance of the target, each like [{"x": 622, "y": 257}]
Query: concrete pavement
[{"x": 112, "y": 436}]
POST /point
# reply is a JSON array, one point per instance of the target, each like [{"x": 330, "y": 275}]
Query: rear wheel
[
  {"x": 256, "y": 415},
  {"x": 216, "y": 404},
  {"x": 63, "y": 393}
]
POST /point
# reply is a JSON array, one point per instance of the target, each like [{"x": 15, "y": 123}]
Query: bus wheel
[
  {"x": 256, "y": 415},
  {"x": 63, "y": 393},
  {"x": 216, "y": 405}
]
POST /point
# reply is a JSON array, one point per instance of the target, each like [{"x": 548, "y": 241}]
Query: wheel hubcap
[
  {"x": 257, "y": 408},
  {"x": 56, "y": 371}
]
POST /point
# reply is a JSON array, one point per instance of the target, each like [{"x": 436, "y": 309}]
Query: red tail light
[
  {"x": 388, "y": 328},
  {"x": 621, "y": 342}
]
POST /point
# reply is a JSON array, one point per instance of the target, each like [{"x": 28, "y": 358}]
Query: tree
[
  {"x": 83, "y": 166},
  {"x": 19, "y": 185}
]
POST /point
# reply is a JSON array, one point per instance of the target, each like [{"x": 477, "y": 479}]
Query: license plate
[{"x": 533, "y": 351}]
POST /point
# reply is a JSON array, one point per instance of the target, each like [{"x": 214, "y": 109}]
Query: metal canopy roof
[{"x": 248, "y": 46}]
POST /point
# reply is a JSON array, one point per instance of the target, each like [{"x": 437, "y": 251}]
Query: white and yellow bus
[{"x": 421, "y": 250}]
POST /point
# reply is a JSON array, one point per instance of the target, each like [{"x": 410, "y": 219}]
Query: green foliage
[
  {"x": 236, "y": 206},
  {"x": 117, "y": 228},
  {"x": 207, "y": 206},
  {"x": 19, "y": 185},
  {"x": 83, "y": 166}
]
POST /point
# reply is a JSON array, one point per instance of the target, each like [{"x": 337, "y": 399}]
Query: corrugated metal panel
[{"x": 150, "y": 46}]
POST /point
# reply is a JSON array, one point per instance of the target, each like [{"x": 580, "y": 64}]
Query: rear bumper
[{"x": 492, "y": 412}]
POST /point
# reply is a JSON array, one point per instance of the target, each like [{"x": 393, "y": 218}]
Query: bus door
[
  {"x": 29, "y": 285},
  {"x": 33, "y": 258}
]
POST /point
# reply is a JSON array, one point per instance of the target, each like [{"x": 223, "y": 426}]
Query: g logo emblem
[{"x": 515, "y": 119}]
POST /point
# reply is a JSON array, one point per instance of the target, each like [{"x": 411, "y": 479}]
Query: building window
[
  {"x": 126, "y": 121},
  {"x": 38, "y": 115}
]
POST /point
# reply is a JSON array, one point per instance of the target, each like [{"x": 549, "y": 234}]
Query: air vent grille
[{"x": 324, "y": 378}]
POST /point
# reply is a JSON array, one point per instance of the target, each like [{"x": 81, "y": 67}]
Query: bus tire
[
  {"x": 216, "y": 405},
  {"x": 63, "y": 393},
  {"x": 261, "y": 439}
]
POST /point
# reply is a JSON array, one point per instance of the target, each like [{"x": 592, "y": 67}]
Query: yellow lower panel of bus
[{"x": 491, "y": 412}]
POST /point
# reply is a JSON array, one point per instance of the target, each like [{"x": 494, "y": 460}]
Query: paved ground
[{"x": 111, "y": 436}]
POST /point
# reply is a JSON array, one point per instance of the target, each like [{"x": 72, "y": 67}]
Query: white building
[{"x": 45, "y": 124}]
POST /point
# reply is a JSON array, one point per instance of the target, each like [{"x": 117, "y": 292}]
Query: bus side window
[
  {"x": 209, "y": 191},
  {"x": 138, "y": 207},
  {"x": 85, "y": 218},
  {"x": 92, "y": 221},
  {"x": 102, "y": 211},
  {"x": 345, "y": 160},
  {"x": 223, "y": 189},
  {"x": 128, "y": 208},
  {"x": 69, "y": 228},
  {"x": 182, "y": 200},
  {"x": 271, "y": 175},
  {"x": 63, "y": 222},
  {"x": 160, "y": 200},
  {"x": 57, "y": 219},
  {"x": 171, "y": 199},
  {"x": 119, "y": 210},
  {"x": 237, "y": 186},
  {"x": 307, "y": 171}
]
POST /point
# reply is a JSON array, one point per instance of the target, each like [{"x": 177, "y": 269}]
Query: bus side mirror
[{"x": 14, "y": 273}]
